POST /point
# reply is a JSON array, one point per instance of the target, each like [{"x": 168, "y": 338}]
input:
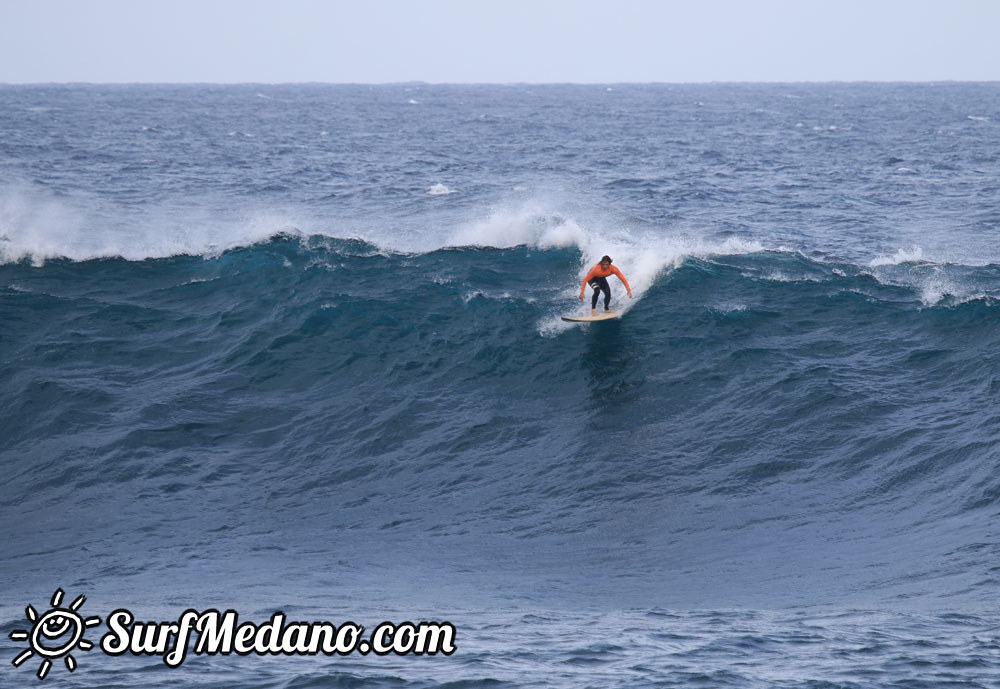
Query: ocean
[{"x": 298, "y": 349}]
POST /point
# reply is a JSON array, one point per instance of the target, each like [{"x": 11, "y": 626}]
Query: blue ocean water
[{"x": 299, "y": 348}]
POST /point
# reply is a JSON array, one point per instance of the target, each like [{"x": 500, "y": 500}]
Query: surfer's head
[{"x": 605, "y": 260}]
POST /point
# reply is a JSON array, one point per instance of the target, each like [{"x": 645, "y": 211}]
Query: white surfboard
[{"x": 601, "y": 316}]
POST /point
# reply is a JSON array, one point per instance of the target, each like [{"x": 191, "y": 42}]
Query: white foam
[
  {"x": 495, "y": 296},
  {"x": 37, "y": 227},
  {"x": 640, "y": 258},
  {"x": 551, "y": 326},
  {"x": 781, "y": 276},
  {"x": 34, "y": 227},
  {"x": 935, "y": 287},
  {"x": 933, "y": 283},
  {"x": 440, "y": 190},
  {"x": 933, "y": 290},
  {"x": 910, "y": 255},
  {"x": 730, "y": 307},
  {"x": 529, "y": 225},
  {"x": 643, "y": 261}
]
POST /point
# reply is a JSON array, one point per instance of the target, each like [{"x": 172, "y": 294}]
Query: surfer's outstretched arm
[{"x": 621, "y": 277}]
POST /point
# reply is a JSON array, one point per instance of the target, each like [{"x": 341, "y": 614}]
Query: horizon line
[{"x": 413, "y": 82}]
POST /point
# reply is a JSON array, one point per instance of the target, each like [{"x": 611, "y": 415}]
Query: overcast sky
[{"x": 587, "y": 41}]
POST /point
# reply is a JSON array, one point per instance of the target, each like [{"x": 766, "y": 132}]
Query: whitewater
[{"x": 298, "y": 349}]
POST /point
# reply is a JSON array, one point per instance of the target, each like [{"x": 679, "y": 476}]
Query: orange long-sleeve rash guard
[{"x": 598, "y": 272}]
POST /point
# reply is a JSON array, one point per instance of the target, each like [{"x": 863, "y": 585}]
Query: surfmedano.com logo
[{"x": 60, "y": 630}]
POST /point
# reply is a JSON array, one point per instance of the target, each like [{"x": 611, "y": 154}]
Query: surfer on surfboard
[{"x": 598, "y": 279}]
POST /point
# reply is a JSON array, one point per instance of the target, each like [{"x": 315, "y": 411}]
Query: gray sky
[{"x": 589, "y": 41}]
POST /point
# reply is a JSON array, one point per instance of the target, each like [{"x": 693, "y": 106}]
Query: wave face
[
  {"x": 301, "y": 346},
  {"x": 762, "y": 397}
]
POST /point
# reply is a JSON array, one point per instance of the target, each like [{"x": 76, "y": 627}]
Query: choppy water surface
[{"x": 298, "y": 348}]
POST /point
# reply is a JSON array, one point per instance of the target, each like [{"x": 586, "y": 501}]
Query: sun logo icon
[{"x": 55, "y": 634}]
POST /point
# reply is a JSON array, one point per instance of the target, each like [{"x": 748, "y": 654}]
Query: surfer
[{"x": 598, "y": 279}]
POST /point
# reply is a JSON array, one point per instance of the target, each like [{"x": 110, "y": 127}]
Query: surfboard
[{"x": 591, "y": 319}]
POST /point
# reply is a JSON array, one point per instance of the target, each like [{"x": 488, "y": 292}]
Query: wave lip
[
  {"x": 37, "y": 228},
  {"x": 910, "y": 255}
]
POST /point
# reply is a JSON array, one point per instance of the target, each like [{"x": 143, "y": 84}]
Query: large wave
[{"x": 746, "y": 391}]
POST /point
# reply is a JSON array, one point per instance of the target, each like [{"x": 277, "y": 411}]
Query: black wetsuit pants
[{"x": 600, "y": 284}]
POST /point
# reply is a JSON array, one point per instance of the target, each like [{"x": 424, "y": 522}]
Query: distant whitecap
[{"x": 440, "y": 190}]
